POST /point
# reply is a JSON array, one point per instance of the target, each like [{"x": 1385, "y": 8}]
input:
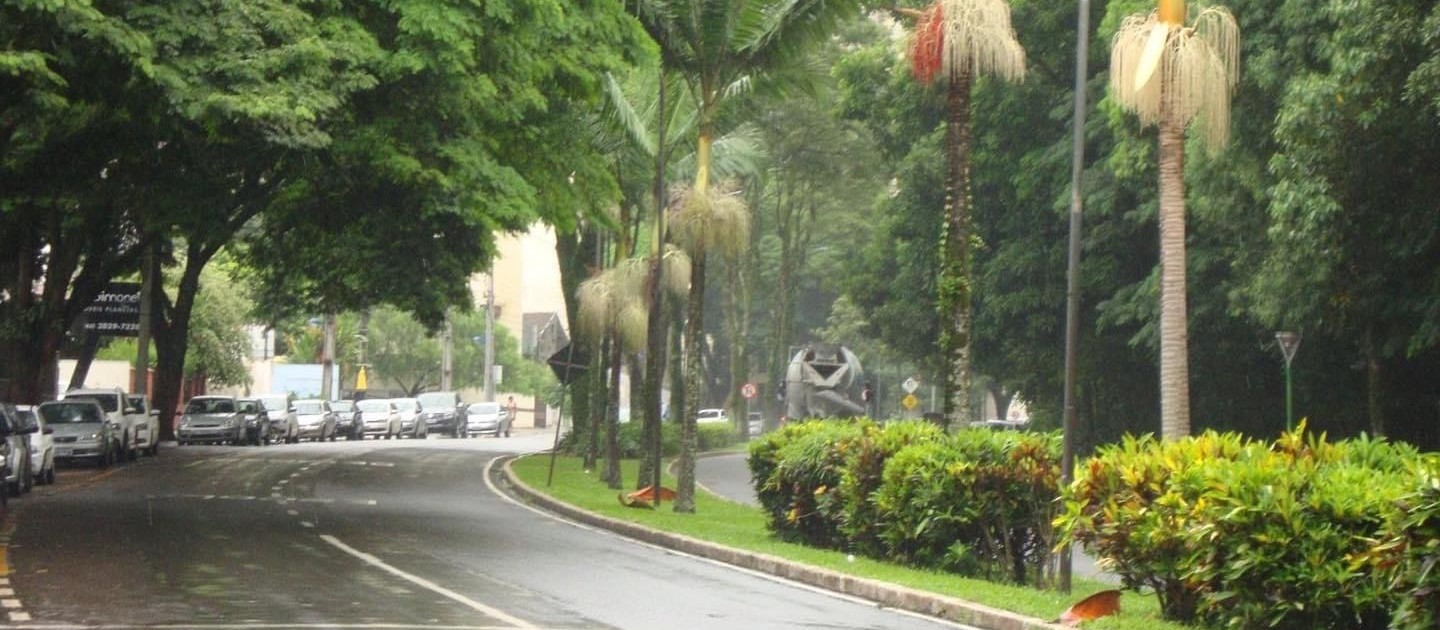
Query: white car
[
  {"x": 147, "y": 425},
  {"x": 42, "y": 445},
  {"x": 411, "y": 422},
  {"x": 711, "y": 415},
  {"x": 379, "y": 418},
  {"x": 118, "y": 410}
]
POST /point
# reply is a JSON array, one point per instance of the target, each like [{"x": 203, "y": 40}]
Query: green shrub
[
  {"x": 1239, "y": 532},
  {"x": 714, "y": 436},
  {"x": 1408, "y": 555},
  {"x": 864, "y": 473},
  {"x": 632, "y": 436},
  {"x": 979, "y": 502},
  {"x": 802, "y": 464}
]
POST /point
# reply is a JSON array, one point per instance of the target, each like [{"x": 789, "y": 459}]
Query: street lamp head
[{"x": 1289, "y": 341}]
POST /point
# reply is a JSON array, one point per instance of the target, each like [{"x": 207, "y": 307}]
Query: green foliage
[
  {"x": 406, "y": 354},
  {"x": 797, "y": 471},
  {"x": 1241, "y": 532},
  {"x": 709, "y": 437},
  {"x": 979, "y": 503},
  {"x": 864, "y": 474},
  {"x": 1408, "y": 555}
]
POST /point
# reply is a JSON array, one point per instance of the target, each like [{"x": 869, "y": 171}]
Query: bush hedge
[
  {"x": 1408, "y": 555},
  {"x": 631, "y": 439},
  {"x": 1237, "y": 532},
  {"x": 978, "y": 503}
]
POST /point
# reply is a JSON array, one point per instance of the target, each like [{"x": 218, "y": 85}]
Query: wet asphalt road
[{"x": 373, "y": 534}]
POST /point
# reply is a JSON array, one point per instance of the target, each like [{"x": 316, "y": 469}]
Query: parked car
[
  {"x": 284, "y": 426},
  {"x": 12, "y": 429},
  {"x": 410, "y": 422},
  {"x": 487, "y": 417},
  {"x": 444, "y": 413},
  {"x": 147, "y": 424},
  {"x": 82, "y": 430},
  {"x": 257, "y": 423},
  {"x": 316, "y": 420},
  {"x": 380, "y": 418},
  {"x": 117, "y": 408},
  {"x": 711, "y": 415},
  {"x": 347, "y": 419},
  {"x": 215, "y": 419},
  {"x": 42, "y": 445}
]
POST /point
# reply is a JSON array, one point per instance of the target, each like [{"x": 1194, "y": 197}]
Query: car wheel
[
  {"x": 155, "y": 448},
  {"x": 103, "y": 461}
]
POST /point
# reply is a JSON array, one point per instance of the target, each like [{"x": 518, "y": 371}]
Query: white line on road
[
  {"x": 427, "y": 584},
  {"x": 10, "y": 603},
  {"x": 292, "y": 512},
  {"x": 19, "y": 616},
  {"x": 306, "y": 524},
  {"x": 7, "y": 592}
]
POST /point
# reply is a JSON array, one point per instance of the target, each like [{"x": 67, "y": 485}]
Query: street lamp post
[{"x": 1289, "y": 342}]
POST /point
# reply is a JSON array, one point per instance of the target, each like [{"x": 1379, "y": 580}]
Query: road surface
[{"x": 373, "y": 534}]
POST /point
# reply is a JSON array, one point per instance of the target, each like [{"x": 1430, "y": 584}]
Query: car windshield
[
  {"x": 484, "y": 408},
  {"x": 309, "y": 407},
  {"x": 342, "y": 405},
  {"x": 275, "y": 403},
  {"x": 405, "y": 404},
  {"x": 210, "y": 405},
  {"x": 374, "y": 405},
  {"x": 437, "y": 399},
  {"x": 108, "y": 403},
  {"x": 247, "y": 406},
  {"x": 70, "y": 413}
]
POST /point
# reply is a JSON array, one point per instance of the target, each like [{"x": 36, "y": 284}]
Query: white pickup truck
[{"x": 127, "y": 419}]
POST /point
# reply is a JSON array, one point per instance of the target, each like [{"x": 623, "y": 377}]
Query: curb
[{"x": 882, "y": 593}]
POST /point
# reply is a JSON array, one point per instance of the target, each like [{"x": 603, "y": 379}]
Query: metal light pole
[
  {"x": 490, "y": 339},
  {"x": 327, "y": 357},
  {"x": 1072, "y": 274},
  {"x": 1289, "y": 342},
  {"x": 447, "y": 354}
]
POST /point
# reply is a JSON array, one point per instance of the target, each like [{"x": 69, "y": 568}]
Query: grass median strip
[{"x": 743, "y": 527}]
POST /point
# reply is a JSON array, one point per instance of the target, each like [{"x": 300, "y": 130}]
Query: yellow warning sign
[
  {"x": 360, "y": 381},
  {"x": 909, "y": 401}
]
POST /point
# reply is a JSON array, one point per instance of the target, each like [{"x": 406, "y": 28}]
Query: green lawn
[{"x": 743, "y": 527}]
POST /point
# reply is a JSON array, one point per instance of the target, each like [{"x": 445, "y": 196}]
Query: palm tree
[
  {"x": 719, "y": 220},
  {"x": 1170, "y": 74},
  {"x": 958, "y": 41}
]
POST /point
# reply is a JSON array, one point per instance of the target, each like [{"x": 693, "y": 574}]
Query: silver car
[
  {"x": 411, "y": 422},
  {"x": 316, "y": 420},
  {"x": 284, "y": 426},
  {"x": 42, "y": 445},
  {"x": 82, "y": 431},
  {"x": 380, "y": 418},
  {"x": 215, "y": 419},
  {"x": 487, "y": 417},
  {"x": 12, "y": 429}
]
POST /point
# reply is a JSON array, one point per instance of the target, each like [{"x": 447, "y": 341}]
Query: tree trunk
[
  {"x": 955, "y": 282},
  {"x": 675, "y": 361},
  {"x": 1174, "y": 352},
  {"x": 85, "y": 360},
  {"x": 655, "y": 304},
  {"x": 172, "y": 339},
  {"x": 595, "y": 383},
  {"x": 1374, "y": 387},
  {"x": 694, "y": 383},
  {"x": 612, "y": 415}
]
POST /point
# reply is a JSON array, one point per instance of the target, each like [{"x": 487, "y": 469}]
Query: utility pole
[
  {"x": 327, "y": 358},
  {"x": 447, "y": 354},
  {"x": 490, "y": 338}
]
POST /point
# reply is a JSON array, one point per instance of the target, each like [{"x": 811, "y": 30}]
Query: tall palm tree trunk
[
  {"x": 655, "y": 322},
  {"x": 612, "y": 416},
  {"x": 694, "y": 385},
  {"x": 1174, "y": 340},
  {"x": 954, "y": 285}
]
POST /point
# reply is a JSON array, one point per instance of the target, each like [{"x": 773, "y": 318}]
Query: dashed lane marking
[
  {"x": 19, "y": 616},
  {"x": 501, "y": 615},
  {"x": 10, "y": 603},
  {"x": 307, "y": 524}
]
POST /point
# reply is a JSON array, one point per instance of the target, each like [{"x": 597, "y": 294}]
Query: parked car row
[
  {"x": 93, "y": 426},
  {"x": 271, "y": 419}
]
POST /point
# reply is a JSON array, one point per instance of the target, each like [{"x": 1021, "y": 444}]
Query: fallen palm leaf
[{"x": 1102, "y": 604}]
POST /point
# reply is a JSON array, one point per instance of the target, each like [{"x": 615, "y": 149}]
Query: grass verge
[{"x": 743, "y": 527}]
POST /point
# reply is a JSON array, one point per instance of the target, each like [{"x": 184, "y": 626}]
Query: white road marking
[
  {"x": 246, "y": 626},
  {"x": 19, "y": 616},
  {"x": 306, "y": 524},
  {"x": 292, "y": 512},
  {"x": 316, "y": 500},
  {"x": 427, "y": 584},
  {"x": 10, "y": 603},
  {"x": 283, "y": 481},
  {"x": 7, "y": 592}
]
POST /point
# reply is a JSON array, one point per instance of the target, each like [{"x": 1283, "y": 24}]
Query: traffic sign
[
  {"x": 910, "y": 401},
  {"x": 910, "y": 385},
  {"x": 749, "y": 390}
]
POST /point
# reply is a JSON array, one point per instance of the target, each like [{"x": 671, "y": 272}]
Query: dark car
[
  {"x": 444, "y": 413},
  {"x": 347, "y": 419}
]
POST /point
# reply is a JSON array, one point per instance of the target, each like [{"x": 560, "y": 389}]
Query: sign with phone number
[{"x": 115, "y": 311}]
